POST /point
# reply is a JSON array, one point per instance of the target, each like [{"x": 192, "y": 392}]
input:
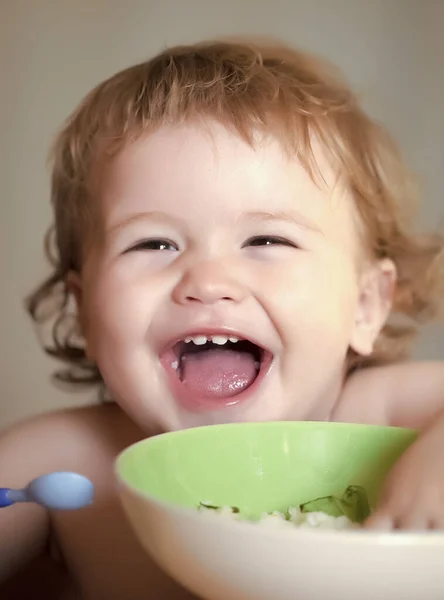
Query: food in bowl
[
  {"x": 329, "y": 512},
  {"x": 294, "y": 517}
]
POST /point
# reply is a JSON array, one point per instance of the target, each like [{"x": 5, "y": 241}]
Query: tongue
[{"x": 218, "y": 373}]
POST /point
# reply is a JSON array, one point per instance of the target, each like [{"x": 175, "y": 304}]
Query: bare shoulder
[
  {"x": 406, "y": 394},
  {"x": 62, "y": 440},
  {"x": 96, "y": 543},
  {"x": 83, "y": 440}
]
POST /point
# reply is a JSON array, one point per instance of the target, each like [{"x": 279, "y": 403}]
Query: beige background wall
[{"x": 53, "y": 51}]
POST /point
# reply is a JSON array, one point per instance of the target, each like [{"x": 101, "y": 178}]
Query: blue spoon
[{"x": 56, "y": 491}]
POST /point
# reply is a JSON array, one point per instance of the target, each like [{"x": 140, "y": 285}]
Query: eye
[
  {"x": 155, "y": 245},
  {"x": 269, "y": 240}
]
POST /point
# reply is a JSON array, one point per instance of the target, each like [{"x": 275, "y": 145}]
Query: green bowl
[
  {"x": 262, "y": 467},
  {"x": 265, "y": 467}
]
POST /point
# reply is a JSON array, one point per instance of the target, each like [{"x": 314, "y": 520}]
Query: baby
[{"x": 232, "y": 230}]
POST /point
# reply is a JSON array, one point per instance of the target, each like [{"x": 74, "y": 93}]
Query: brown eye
[
  {"x": 154, "y": 245},
  {"x": 269, "y": 240}
]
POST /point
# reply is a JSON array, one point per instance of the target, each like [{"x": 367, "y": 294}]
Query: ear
[
  {"x": 374, "y": 305},
  {"x": 75, "y": 288}
]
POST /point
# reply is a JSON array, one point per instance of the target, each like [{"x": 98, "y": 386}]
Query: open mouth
[{"x": 209, "y": 369}]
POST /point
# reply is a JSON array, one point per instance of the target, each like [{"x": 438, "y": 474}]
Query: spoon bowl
[{"x": 55, "y": 491}]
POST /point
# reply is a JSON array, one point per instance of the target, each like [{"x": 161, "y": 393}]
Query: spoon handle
[
  {"x": 9, "y": 496},
  {"x": 5, "y": 500}
]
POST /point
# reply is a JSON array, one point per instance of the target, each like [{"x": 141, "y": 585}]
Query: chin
[{"x": 255, "y": 410}]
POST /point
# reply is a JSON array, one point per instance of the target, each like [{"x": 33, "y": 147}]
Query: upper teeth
[{"x": 220, "y": 340}]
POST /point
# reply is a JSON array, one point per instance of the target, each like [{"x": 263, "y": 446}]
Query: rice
[{"x": 293, "y": 518}]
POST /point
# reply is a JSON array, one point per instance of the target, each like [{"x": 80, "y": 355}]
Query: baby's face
[{"x": 202, "y": 237}]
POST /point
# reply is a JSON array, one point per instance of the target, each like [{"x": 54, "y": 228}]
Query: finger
[
  {"x": 414, "y": 521},
  {"x": 437, "y": 523}
]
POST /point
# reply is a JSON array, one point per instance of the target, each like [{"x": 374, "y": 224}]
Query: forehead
[{"x": 207, "y": 172}]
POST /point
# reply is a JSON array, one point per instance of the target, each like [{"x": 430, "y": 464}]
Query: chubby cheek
[
  {"x": 314, "y": 300},
  {"x": 118, "y": 319},
  {"x": 118, "y": 314}
]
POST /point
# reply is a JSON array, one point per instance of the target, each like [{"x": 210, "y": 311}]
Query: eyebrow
[
  {"x": 151, "y": 215},
  {"x": 257, "y": 216},
  {"x": 293, "y": 218}
]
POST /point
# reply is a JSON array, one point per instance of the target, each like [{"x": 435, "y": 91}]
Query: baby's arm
[
  {"x": 411, "y": 395},
  {"x": 23, "y": 527}
]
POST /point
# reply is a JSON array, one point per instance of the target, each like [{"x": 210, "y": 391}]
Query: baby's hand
[{"x": 413, "y": 497}]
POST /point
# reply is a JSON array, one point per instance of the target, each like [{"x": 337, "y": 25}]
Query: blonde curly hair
[{"x": 245, "y": 85}]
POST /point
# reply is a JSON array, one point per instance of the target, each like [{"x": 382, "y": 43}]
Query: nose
[{"x": 209, "y": 283}]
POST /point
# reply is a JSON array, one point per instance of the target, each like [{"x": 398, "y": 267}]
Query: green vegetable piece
[
  {"x": 329, "y": 505},
  {"x": 353, "y": 504},
  {"x": 208, "y": 505}
]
